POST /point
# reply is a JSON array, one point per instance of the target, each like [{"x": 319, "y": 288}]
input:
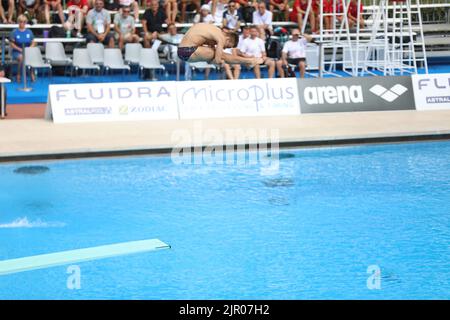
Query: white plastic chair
[
  {"x": 55, "y": 54},
  {"x": 133, "y": 53},
  {"x": 149, "y": 59},
  {"x": 34, "y": 59},
  {"x": 96, "y": 52},
  {"x": 113, "y": 60},
  {"x": 200, "y": 65},
  {"x": 82, "y": 60}
]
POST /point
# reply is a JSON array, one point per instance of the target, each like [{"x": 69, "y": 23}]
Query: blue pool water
[{"x": 311, "y": 231}]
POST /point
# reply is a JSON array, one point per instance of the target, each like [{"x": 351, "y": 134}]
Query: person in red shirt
[
  {"x": 352, "y": 14},
  {"x": 282, "y": 6},
  {"x": 327, "y": 9},
  {"x": 299, "y": 11},
  {"x": 77, "y": 10}
]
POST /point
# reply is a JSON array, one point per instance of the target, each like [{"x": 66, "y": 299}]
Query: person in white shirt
[
  {"x": 294, "y": 52},
  {"x": 263, "y": 19},
  {"x": 204, "y": 16},
  {"x": 218, "y": 8},
  {"x": 253, "y": 47},
  {"x": 173, "y": 38},
  {"x": 134, "y": 7},
  {"x": 233, "y": 71}
]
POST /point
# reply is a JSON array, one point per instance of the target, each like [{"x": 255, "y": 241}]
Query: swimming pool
[{"x": 311, "y": 231}]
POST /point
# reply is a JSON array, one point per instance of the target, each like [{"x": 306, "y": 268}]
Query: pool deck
[{"x": 35, "y": 138}]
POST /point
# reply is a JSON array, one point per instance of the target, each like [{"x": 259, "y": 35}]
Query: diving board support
[{"x": 79, "y": 255}]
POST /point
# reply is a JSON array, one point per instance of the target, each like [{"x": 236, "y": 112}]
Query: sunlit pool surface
[{"x": 310, "y": 231}]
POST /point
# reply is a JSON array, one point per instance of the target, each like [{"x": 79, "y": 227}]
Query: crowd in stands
[{"x": 252, "y": 19}]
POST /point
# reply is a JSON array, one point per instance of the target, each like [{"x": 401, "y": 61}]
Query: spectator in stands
[
  {"x": 185, "y": 3},
  {"x": 233, "y": 71},
  {"x": 204, "y": 16},
  {"x": 262, "y": 18},
  {"x": 172, "y": 36},
  {"x": 98, "y": 22},
  {"x": 54, "y": 5},
  {"x": 327, "y": 8},
  {"x": 7, "y": 6},
  {"x": 77, "y": 10},
  {"x": 294, "y": 53},
  {"x": 281, "y": 6},
  {"x": 124, "y": 27},
  {"x": 246, "y": 9},
  {"x": 30, "y": 8},
  {"x": 232, "y": 17},
  {"x": 298, "y": 14},
  {"x": 352, "y": 14},
  {"x": 218, "y": 8},
  {"x": 253, "y": 47},
  {"x": 245, "y": 34},
  {"x": 19, "y": 38},
  {"x": 152, "y": 22},
  {"x": 133, "y": 5},
  {"x": 171, "y": 7}
]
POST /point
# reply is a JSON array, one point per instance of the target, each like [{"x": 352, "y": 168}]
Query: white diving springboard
[{"x": 79, "y": 255}]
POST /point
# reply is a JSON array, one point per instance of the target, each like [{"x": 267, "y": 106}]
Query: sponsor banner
[
  {"x": 432, "y": 91},
  {"x": 238, "y": 98},
  {"x": 112, "y": 101},
  {"x": 355, "y": 94}
]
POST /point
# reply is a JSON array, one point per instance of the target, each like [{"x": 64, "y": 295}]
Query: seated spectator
[
  {"x": 152, "y": 22},
  {"x": 21, "y": 37},
  {"x": 352, "y": 14},
  {"x": 133, "y": 5},
  {"x": 253, "y": 47},
  {"x": 30, "y": 8},
  {"x": 172, "y": 36},
  {"x": 218, "y": 8},
  {"x": 246, "y": 9},
  {"x": 125, "y": 28},
  {"x": 98, "y": 22},
  {"x": 7, "y": 6},
  {"x": 54, "y": 5},
  {"x": 298, "y": 14},
  {"x": 282, "y": 6},
  {"x": 327, "y": 20},
  {"x": 171, "y": 7},
  {"x": 77, "y": 10},
  {"x": 262, "y": 19},
  {"x": 245, "y": 34},
  {"x": 185, "y": 3},
  {"x": 294, "y": 53},
  {"x": 232, "y": 17},
  {"x": 204, "y": 16},
  {"x": 232, "y": 71}
]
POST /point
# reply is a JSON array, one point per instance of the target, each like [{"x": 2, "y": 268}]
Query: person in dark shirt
[{"x": 152, "y": 22}]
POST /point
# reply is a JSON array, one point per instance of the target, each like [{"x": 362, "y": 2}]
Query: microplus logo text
[{"x": 254, "y": 93}]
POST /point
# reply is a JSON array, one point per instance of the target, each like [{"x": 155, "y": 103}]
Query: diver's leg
[
  {"x": 203, "y": 54},
  {"x": 235, "y": 59}
]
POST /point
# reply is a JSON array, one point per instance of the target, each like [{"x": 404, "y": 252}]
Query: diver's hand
[{"x": 256, "y": 61}]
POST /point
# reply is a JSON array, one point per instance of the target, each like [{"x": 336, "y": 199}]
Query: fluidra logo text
[{"x": 333, "y": 95}]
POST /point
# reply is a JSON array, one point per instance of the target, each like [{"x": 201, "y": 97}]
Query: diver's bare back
[{"x": 199, "y": 35}]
